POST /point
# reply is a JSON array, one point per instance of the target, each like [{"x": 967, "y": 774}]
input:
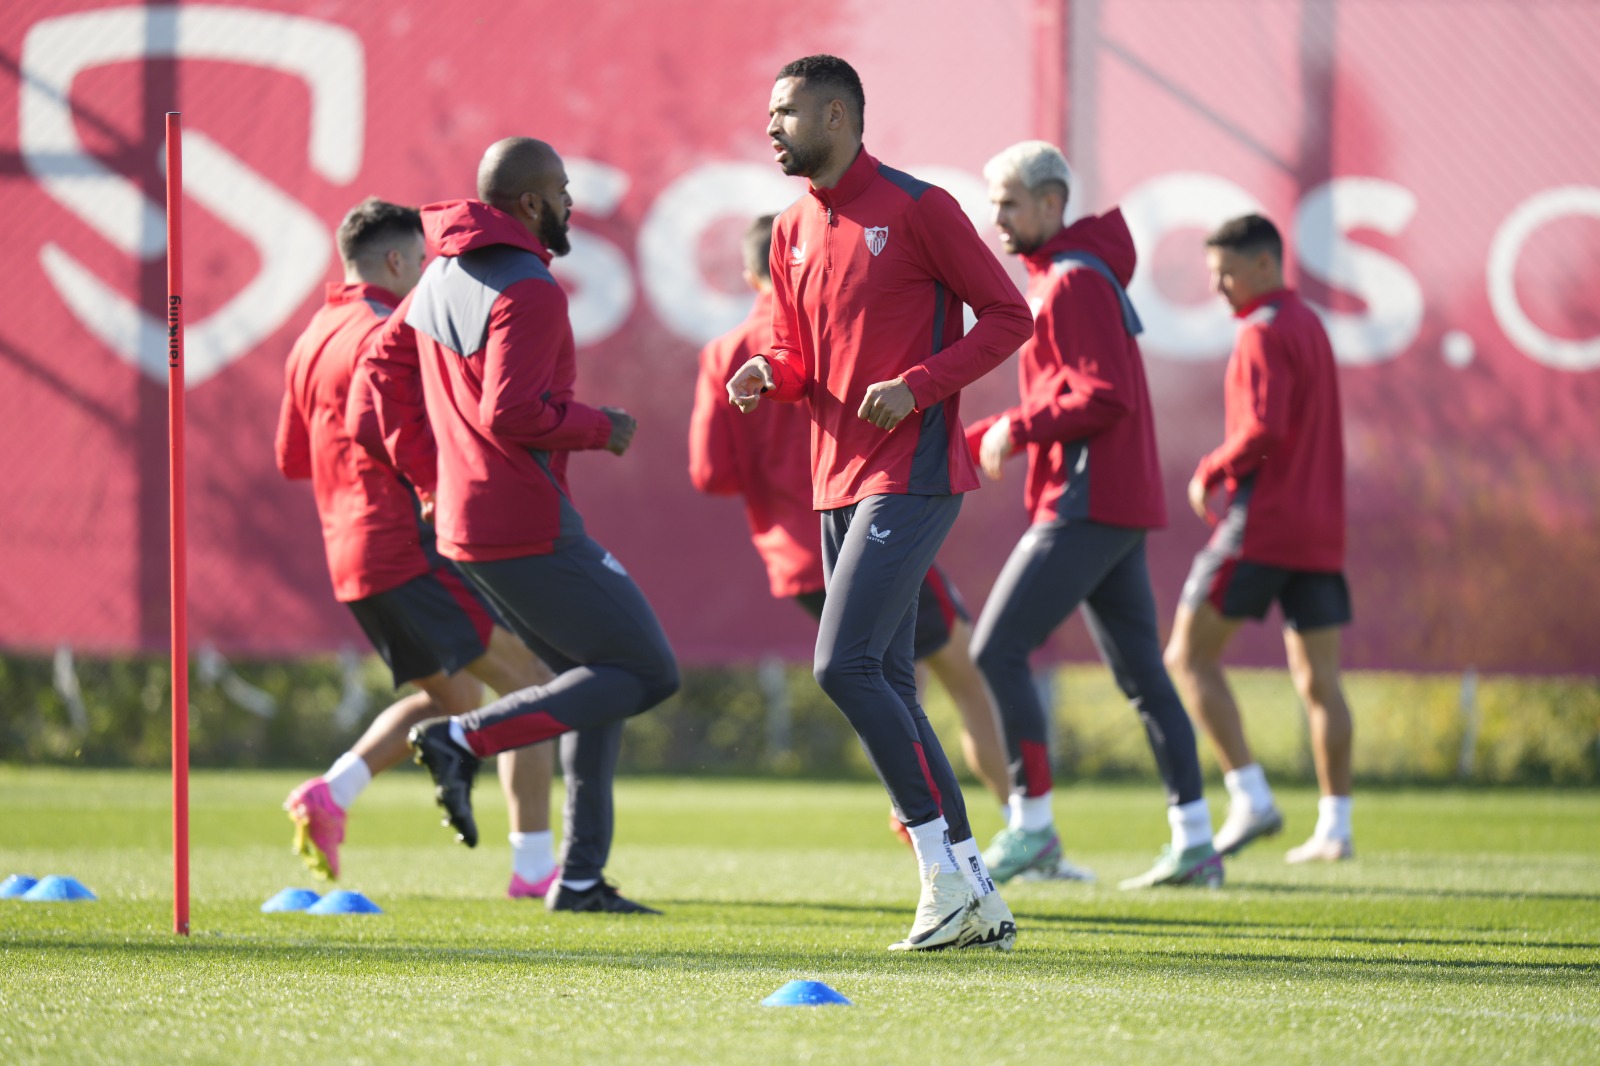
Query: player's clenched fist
[
  {"x": 886, "y": 403},
  {"x": 748, "y": 383},
  {"x": 622, "y": 426}
]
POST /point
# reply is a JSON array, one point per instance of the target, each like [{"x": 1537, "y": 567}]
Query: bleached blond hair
[{"x": 1035, "y": 164}]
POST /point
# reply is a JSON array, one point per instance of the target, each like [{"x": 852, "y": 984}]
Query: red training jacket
[
  {"x": 368, "y": 526},
  {"x": 762, "y": 456},
  {"x": 494, "y": 352},
  {"x": 1283, "y": 458},
  {"x": 1085, "y": 417},
  {"x": 869, "y": 278}
]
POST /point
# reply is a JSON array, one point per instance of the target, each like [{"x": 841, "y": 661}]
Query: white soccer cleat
[
  {"x": 1321, "y": 849},
  {"x": 941, "y": 912},
  {"x": 989, "y": 925},
  {"x": 1245, "y": 825}
]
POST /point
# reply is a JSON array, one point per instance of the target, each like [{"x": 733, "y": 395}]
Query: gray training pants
[
  {"x": 1055, "y": 567},
  {"x": 581, "y": 613},
  {"x": 875, "y": 554}
]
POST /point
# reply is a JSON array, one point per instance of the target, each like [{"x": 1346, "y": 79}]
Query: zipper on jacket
[{"x": 827, "y": 242}]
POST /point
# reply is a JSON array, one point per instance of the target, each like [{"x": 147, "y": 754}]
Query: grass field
[{"x": 1467, "y": 931}]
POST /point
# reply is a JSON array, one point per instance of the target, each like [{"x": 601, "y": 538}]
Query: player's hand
[
  {"x": 996, "y": 448},
  {"x": 622, "y": 426},
  {"x": 886, "y": 403},
  {"x": 425, "y": 499},
  {"x": 748, "y": 383},
  {"x": 1198, "y": 495}
]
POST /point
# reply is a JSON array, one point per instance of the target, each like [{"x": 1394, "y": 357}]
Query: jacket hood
[
  {"x": 456, "y": 226},
  {"x": 1104, "y": 236}
]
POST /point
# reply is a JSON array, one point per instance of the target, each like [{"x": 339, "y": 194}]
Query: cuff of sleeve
[
  {"x": 602, "y": 430},
  {"x": 1018, "y": 428},
  {"x": 920, "y": 382}
]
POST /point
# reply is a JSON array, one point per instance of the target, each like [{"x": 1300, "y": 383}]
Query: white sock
[
  {"x": 533, "y": 855},
  {"x": 459, "y": 734},
  {"x": 1191, "y": 824},
  {"x": 1030, "y": 813},
  {"x": 346, "y": 779},
  {"x": 581, "y": 886},
  {"x": 1248, "y": 785},
  {"x": 972, "y": 865},
  {"x": 931, "y": 842},
  {"x": 1333, "y": 818}
]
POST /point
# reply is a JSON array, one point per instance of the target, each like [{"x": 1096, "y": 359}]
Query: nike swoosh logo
[{"x": 919, "y": 938}]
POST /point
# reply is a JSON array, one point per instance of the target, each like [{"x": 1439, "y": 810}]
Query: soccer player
[
  {"x": 765, "y": 458},
  {"x": 424, "y": 621},
  {"x": 1093, "y": 492},
  {"x": 486, "y": 331},
  {"x": 1280, "y": 538},
  {"x": 869, "y": 274}
]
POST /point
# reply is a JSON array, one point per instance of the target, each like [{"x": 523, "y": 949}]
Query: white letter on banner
[
  {"x": 1558, "y": 353},
  {"x": 595, "y": 268},
  {"x": 669, "y": 243},
  {"x": 292, "y": 243},
  {"x": 1155, "y": 208},
  {"x": 1393, "y": 297}
]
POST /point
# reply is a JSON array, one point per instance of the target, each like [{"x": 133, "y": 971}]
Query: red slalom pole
[{"x": 180, "y": 577}]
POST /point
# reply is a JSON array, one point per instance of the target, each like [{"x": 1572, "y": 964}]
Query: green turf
[{"x": 1468, "y": 930}]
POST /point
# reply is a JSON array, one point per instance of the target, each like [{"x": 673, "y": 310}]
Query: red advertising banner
[{"x": 1435, "y": 165}]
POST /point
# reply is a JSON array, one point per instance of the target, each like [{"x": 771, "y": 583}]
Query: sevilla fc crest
[{"x": 877, "y": 237}]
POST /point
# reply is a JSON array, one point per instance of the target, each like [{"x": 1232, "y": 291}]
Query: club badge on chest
[{"x": 877, "y": 237}]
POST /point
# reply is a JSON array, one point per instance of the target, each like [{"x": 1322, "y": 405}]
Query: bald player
[{"x": 494, "y": 351}]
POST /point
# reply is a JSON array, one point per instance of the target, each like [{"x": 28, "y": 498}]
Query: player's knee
[
  {"x": 661, "y": 679},
  {"x": 838, "y": 675},
  {"x": 1177, "y": 658}
]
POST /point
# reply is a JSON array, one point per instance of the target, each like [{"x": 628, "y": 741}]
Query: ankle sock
[
  {"x": 1191, "y": 824},
  {"x": 1248, "y": 784},
  {"x": 347, "y": 778},
  {"x": 533, "y": 855},
  {"x": 1030, "y": 813}
]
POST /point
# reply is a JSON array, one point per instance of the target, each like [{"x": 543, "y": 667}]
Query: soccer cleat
[
  {"x": 1321, "y": 849},
  {"x": 898, "y": 828},
  {"x": 520, "y": 889},
  {"x": 452, "y": 768},
  {"x": 1015, "y": 851},
  {"x": 601, "y": 897},
  {"x": 1064, "y": 870},
  {"x": 941, "y": 912},
  {"x": 1199, "y": 865},
  {"x": 1244, "y": 825},
  {"x": 989, "y": 925},
  {"x": 318, "y": 827}
]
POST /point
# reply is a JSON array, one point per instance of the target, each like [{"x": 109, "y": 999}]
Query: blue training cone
[
  {"x": 341, "y": 902},
  {"x": 54, "y": 889},
  {"x": 15, "y": 886},
  {"x": 290, "y": 899},
  {"x": 805, "y": 994}
]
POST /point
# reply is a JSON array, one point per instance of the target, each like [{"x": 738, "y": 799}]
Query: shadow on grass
[{"x": 1508, "y": 896}]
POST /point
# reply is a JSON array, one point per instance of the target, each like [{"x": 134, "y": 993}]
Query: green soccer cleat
[
  {"x": 1013, "y": 851},
  {"x": 1199, "y": 865}
]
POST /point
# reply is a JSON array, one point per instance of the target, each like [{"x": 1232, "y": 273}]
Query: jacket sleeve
[
  {"x": 953, "y": 253},
  {"x": 528, "y": 330},
  {"x": 385, "y": 412},
  {"x": 1260, "y": 381},
  {"x": 712, "y": 441},
  {"x": 293, "y": 443},
  {"x": 791, "y": 374},
  {"x": 1094, "y": 386},
  {"x": 975, "y": 433}
]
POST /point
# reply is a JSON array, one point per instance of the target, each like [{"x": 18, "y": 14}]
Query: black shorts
[
  {"x": 939, "y": 605},
  {"x": 1240, "y": 589},
  {"x": 435, "y": 622}
]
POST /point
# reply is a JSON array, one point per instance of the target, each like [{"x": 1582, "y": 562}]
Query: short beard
[
  {"x": 805, "y": 160},
  {"x": 553, "y": 233}
]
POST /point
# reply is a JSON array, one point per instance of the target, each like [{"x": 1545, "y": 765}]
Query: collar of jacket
[
  {"x": 456, "y": 226},
  {"x": 852, "y": 183},
  {"x": 1260, "y": 301},
  {"x": 346, "y": 292}
]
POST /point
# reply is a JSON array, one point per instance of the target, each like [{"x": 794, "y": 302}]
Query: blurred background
[{"x": 1435, "y": 165}]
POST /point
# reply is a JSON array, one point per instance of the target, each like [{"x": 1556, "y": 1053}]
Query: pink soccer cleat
[
  {"x": 318, "y": 827},
  {"x": 520, "y": 889}
]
